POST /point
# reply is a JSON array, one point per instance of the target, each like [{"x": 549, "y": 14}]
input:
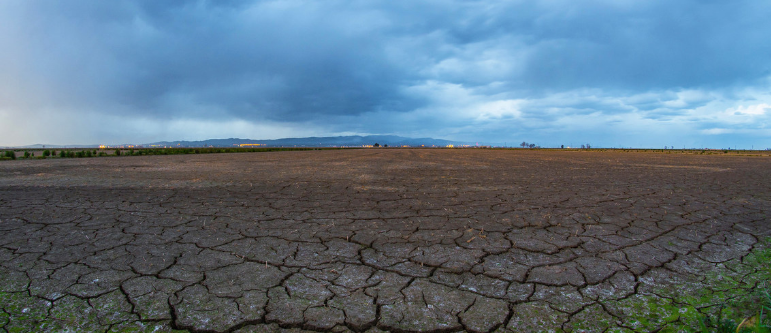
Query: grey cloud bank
[{"x": 612, "y": 73}]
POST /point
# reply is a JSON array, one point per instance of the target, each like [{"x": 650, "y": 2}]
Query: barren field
[{"x": 383, "y": 239}]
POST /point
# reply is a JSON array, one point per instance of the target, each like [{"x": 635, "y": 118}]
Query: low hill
[{"x": 336, "y": 141}]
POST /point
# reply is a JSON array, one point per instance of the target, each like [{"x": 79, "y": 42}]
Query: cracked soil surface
[{"x": 372, "y": 239}]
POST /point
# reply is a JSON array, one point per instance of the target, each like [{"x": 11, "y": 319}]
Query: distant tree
[
  {"x": 385, "y": 145},
  {"x": 523, "y": 144},
  {"x": 62, "y": 154},
  {"x": 376, "y": 145},
  {"x": 562, "y": 146},
  {"x": 588, "y": 146},
  {"x": 117, "y": 152},
  {"x": 583, "y": 146},
  {"x": 10, "y": 154},
  {"x": 26, "y": 154},
  {"x": 532, "y": 145},
  {"x": 46, "y": 153}
]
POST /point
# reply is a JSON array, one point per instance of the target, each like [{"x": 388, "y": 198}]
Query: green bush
[
  {"x": 62, "y": 153},
  {"x": 46, "y": 153},
  {"x": 27, "y": 154},
  {"x": 10, "y": 154},
  {"x": 117, "y": 152}
]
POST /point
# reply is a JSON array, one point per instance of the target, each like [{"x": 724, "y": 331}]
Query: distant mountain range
[
  {"x": 332, "y": 141},
  {"x": 336, "y": 141}
]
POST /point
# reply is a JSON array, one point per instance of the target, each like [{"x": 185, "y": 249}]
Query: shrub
[
  {"x": 62, "y": 153},
  {"x": 26, "y": 154},
  {"x": 117, "y": 152},
  {"x": 10, "y": 154},
  {"x": 46, "y": 153}
]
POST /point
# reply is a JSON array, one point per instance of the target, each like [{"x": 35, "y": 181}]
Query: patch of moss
[
  {"x": 20, "y": 312},
  {"x": 23, "y": 313},
  {"x": 144, "y": 327},
  {"x": 735, "y": 291}
]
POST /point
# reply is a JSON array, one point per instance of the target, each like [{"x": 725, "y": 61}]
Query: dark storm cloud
[
  {"x": 281, "y": 60},
  {"x": 651, "y": 45},
  {"x": 375, "y": 66}
]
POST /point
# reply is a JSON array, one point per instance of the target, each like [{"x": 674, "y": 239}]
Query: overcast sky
[{"x": 610, "y": 73}]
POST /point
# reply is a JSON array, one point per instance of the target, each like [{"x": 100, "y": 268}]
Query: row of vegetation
[{"x": 83, "y": 153}]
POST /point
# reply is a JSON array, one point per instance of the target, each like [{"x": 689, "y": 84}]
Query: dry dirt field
[{"x": 382, "y": 239}]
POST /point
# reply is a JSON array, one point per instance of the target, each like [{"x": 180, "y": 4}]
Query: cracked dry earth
[{"x": 367, "y": 240}]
